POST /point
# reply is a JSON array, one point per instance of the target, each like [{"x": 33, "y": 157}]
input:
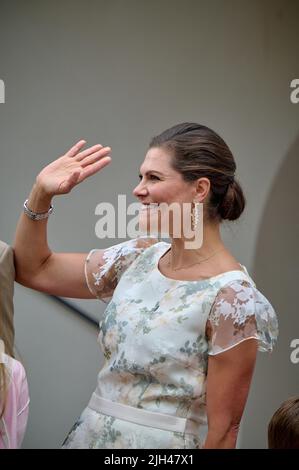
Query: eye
[
  {"x": 150, "y": 176},
  {"x": 154, "y": 177}
]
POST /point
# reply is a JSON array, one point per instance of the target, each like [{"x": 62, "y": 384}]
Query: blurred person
[
  {"x": 7, "y": 278},
  {"x": 14, "y": 395},
  {"x": 283, "y": 428}
]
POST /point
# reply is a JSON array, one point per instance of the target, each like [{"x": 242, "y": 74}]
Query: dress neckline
[{"x": 243, "y": 271}]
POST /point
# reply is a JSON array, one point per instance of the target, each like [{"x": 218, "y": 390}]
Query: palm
[{"x": 60, "y": 176}]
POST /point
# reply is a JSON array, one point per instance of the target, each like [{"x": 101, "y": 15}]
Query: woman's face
[{"x": 160, "y": 183}]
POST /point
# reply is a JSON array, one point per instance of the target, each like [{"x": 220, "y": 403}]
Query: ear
[{"x": 202, "y": 189}]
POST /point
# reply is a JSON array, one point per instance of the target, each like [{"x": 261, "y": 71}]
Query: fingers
[
  {"x": 94, "y": 157},
  {"x": 80, "y": 156},
  {"x": 75, "y": 149},
  {"x": 94, "y": 168}
]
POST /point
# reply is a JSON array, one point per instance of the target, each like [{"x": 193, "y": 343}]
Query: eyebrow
[{"x": 152, "y": 171}]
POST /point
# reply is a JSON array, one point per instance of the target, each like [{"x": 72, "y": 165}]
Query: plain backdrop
[{"x": 118, "y": 73}]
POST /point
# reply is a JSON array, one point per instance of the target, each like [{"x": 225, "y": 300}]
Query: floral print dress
[{"x": 156, "y": 335}]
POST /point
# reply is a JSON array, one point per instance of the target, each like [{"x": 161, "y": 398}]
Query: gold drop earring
[{"x": 195, "y": 216}]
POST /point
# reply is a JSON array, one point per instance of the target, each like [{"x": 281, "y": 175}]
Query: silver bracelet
[{"x": 37, "y": 215}]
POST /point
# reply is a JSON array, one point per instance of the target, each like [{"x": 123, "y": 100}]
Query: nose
[{"x": 140, "y": 190}]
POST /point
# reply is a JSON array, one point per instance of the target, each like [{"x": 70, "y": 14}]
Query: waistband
[{"x": 152, "y": 419}]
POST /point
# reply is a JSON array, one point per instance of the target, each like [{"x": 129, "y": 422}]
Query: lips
[{"x": 150, "y": 206}]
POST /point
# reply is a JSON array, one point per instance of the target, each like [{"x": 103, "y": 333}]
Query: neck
[{"x": 181, "y": 256}]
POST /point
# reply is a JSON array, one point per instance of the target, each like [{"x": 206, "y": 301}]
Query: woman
[{"x": 182, "y": 326}]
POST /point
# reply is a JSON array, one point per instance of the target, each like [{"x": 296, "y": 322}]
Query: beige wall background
[{"x": 117, "y": 73}]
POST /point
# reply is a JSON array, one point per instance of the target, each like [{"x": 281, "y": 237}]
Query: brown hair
[
  {"x": 283, "y": 429},
  {"x": 197, "y": 152}
]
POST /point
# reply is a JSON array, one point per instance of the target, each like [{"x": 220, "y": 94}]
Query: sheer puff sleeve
[
  {"x": 240, "y": 311},
  {"x": 104, "y": 268}
]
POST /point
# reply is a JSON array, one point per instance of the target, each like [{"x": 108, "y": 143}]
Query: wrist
[
  {"x": 39, "y": 200},
  {"x": 42, "y": 188}
]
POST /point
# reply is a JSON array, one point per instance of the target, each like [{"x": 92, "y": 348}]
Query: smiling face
[{"x": 160, "y": 183}]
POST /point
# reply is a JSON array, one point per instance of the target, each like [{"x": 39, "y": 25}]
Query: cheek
[
  {"x": 167, "y": 193},
  {"x": 158, "y": 193},
  {"x": 175, "y": 194}
]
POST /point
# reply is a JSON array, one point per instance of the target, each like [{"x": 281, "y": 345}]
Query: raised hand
[{"x": 60, "y": 176}]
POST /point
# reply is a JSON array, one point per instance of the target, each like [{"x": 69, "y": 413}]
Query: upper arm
[
  {"x": 87, "y": 276},
  {"x": 228, "y": 382},
  {"x": 62, "y": 274},
  {"x": 240, "y": 322}
]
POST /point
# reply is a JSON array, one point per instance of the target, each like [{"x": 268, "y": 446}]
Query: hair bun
[{"x": 233, "y": 203}]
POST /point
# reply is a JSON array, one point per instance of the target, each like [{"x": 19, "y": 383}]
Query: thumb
[
  {"x": 73, "y": 179},
  {"x": 68, "y": 184}
]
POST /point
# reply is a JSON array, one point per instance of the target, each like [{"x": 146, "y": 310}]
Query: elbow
[
  {"x": 22, "y": 277},
  {"x": 21, "y": 274},
  {"x": 27, "y": 272},
  {"x": 27, "y": 279}
]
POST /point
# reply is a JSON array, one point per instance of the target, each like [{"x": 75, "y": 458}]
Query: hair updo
[{"x": 197, "y": 151}]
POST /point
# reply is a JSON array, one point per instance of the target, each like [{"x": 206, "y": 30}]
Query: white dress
[{"x": 156, "y": 335}]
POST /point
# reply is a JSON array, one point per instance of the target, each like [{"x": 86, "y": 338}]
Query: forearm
[{"x": 30, "y": 245}]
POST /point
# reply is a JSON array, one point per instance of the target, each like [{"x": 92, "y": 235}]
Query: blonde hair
[
  {"x": 3, "y": 389},
  {"x": 4, "y": 376},
  {"x": 6, "y": 344},
  {"x": 3, "y": 382}
]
